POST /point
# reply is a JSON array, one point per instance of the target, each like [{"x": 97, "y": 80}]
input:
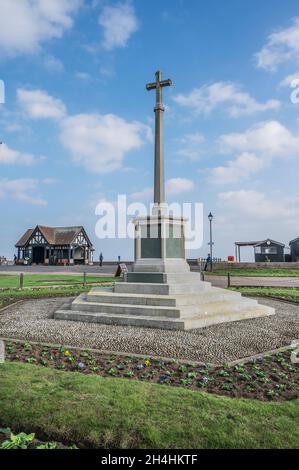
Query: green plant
[
  {"x": 224, "y": 373},
  {"x": 271, "y": 394},
  {"x": 130, "y": 374},
  {"x": 192, "y": 375},
  {"x": 31, "y": 360},
  {"x": 47, "y": 446},
  {"x": 240, "y": 368},
  {"x": 186, "y": 381},
  {"x": 18, "y": 441},
  {"x": 227, "y": 386}
]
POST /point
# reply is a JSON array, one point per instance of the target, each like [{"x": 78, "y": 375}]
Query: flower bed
[
  {"x": 272, "y": 377},
  {"x": 9, "y": 440}
]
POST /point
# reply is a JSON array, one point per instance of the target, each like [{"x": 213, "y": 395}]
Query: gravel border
[{"x": 33, "y": 320}]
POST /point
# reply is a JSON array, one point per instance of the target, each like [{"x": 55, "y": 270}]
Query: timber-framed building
[{"x": 55, "y": 246}]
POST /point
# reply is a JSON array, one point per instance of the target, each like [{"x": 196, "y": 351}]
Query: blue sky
[{"x": 77, "y": 119}]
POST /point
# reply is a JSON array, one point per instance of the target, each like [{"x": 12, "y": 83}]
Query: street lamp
[{"x": 210, "y": 217}]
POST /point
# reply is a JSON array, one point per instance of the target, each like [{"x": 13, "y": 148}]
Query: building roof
[
  {"x": 54, "y": 235},
  {"x": 258, "y": 243},
  {"x": 294, "y": 241},
  {"x": 273, "y": 242},
  {"x": 246, "y": 243},
  {"x": 24, "y": 238}
]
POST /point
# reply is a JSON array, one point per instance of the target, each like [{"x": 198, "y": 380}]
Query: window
[{"x": 269, "y": 250}]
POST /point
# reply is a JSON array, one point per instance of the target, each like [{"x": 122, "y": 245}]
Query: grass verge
[
  {"x": 115, "y": 413},
  {"x": 283, "y": 293},
  {"x": 12, "y": 281},
  {"x": 10, "y": 296},
  {"x": 263, "y": 272}
]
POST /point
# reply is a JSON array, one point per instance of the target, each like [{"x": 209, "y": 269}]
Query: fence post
[
  {"x": 84, "y": 279},
  {"x": 228, "y": 279},
  {"x": 21, "y": 280}
]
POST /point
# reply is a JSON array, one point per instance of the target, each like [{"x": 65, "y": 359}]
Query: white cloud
[
  {"x": 269, "y": 138},
  {"x": 9, "y": 156},
  {"x": 281, "y": 46},
  {"x": 243, "y": 167},
  {"x": 260, "y": 207},
  {"x": 100, "y": 142},
  {"x": 290, "y": 79},
  {"x": 82, "y": 76},
  {"x": 21, "y": 190},
  {"x": 119, "y": 22},
  {"x": 145, "y": 194},
  {"x": 97, "y": 142},
  {"x": 190, "y": 146},
  {"x": 53, "y": 64},
  {"x": 173, "y": 186},
  {"x": 255, "y": 148},
  {"x": 237, "y": 103},
  {"x": 26, "y": 24},
  {"x": 39, "y": 105},
  {"x": 178, "y": 185}
]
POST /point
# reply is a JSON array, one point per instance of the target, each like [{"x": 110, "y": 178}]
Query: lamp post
[{"x": 210, "y": 217}]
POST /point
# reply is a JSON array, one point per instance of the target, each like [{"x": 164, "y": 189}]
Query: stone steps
[
  {"x": 187, "y": 323},
  {"x": 128, "y": 320},
  {"x": 217, "y": 318},
  {"x": 185, "y": 303},
  {"x": 224, "y": 307},
  {"x": 82, "y": 305},
  {"x": 180, "y": 300},
  {"x": 160, "y": 289}
]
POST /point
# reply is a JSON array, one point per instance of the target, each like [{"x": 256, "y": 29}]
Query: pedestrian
[
  {"x": 101, "y": 259},
  {"x": 208, "y": 262}
]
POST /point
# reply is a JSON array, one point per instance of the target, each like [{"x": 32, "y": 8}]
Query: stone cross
[{"x": 159, "y": 185}]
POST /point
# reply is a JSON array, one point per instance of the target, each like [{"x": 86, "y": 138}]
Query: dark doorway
[{"x": 38, "y": 255}]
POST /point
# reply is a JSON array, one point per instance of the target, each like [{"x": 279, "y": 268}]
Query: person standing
[
  {"x": 101, "y": 258},
  {"x": 208, "y": 262}
]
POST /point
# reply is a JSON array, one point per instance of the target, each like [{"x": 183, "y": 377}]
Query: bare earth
[{"x": 33, "y": 320}]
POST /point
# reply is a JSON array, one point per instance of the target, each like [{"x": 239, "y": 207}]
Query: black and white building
[{"x": 55, "y": 245}]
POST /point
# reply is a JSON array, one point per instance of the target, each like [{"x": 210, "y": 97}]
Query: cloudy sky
[{"x": 77, "y": 121}]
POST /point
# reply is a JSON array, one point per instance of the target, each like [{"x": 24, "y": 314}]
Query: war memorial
[{"x": 161, "y": 292}]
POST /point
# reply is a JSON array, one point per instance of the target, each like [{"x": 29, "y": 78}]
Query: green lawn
[
  {"x": 288, "y": 293},
  {"x": 268, "y": 272},
  {"x": 9, "y": 296},
  {"x": 39, "y": 280},
  {"x": 118, "y": 413}
]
